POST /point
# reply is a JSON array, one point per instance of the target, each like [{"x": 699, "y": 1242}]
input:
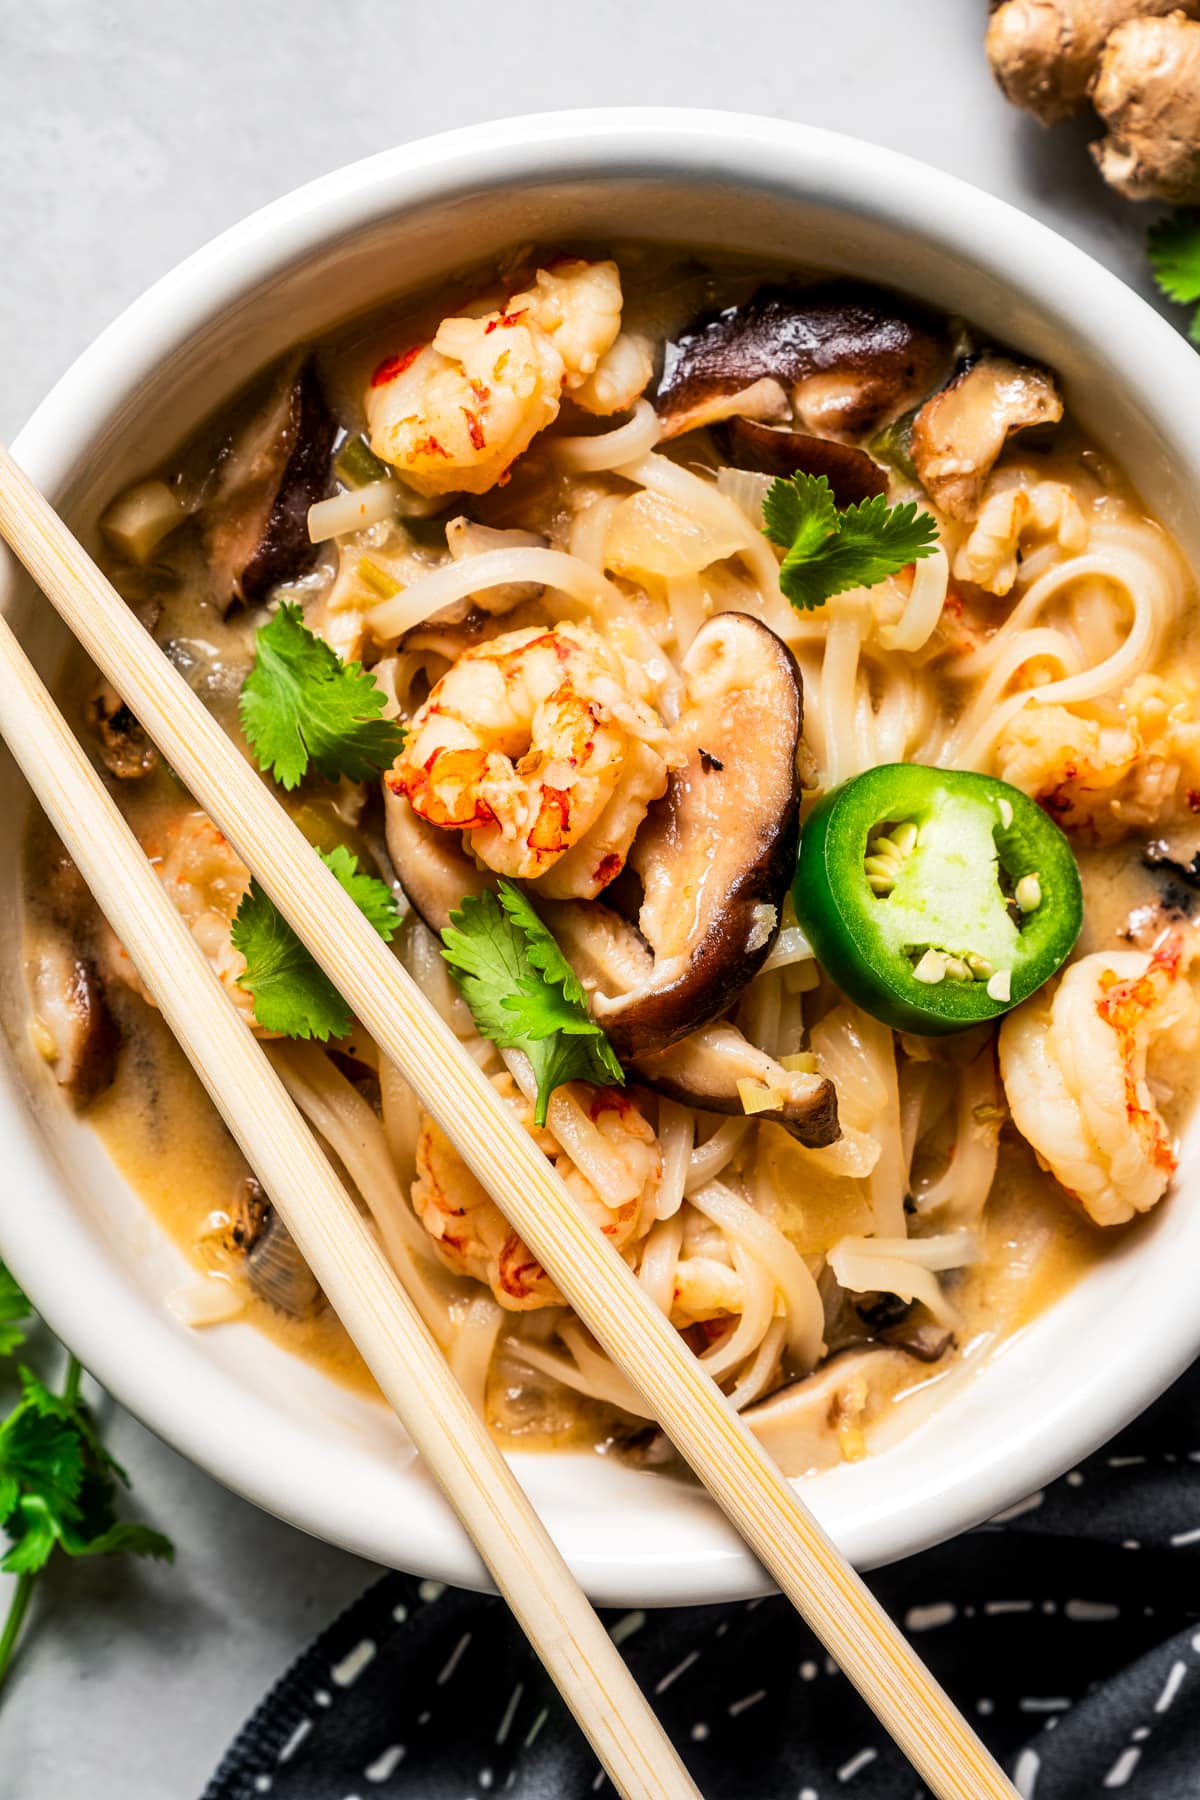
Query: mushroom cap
[
  {"x": 715, "y": 857},
  {"x": 852, "y": 355},
  {"x": 961, "y": 430},
  {"x": 777, "y": 450},
  {"x": 610, "y": 957},
  {"x": 716, "y": 854},
  {"x": 267, "y": 478}
]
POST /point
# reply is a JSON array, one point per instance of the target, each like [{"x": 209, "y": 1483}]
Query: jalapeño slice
[{"x": 935, "y": 898}]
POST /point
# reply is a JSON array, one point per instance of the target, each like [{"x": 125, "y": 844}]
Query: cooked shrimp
[
  {"x": 619, "y": 378},
  {"x": 707, "y": 1286},
  {"x": 535, "y": 744},
  {"x": 454, "y": 414},
  {"x": 471, "y": 1233},
  {"x": 205, "y": 880},
  {"x": 1010, "y": 514},
  {"x": 1074, "y": 1070},
  {"x": 1107, "y": 770}
]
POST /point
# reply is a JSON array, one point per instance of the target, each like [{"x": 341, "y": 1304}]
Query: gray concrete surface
[{"x": 129, "y": 134}]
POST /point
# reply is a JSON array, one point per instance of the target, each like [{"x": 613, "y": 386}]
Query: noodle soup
[{"x": 538, "y": 509}]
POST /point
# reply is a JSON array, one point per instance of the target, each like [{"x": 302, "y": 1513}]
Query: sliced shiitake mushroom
[
  {"x": 609, "y": 956},
  {"x": 278, "y": 1273},
  {"x": 850, "y": 355},
  {"x": 431, "y": 865},
  {"x": 775, "y": 450},
  {"x": 125, "y": 749},
  {"x": 801, "y": 1424},
  {"x": 717, "y": 853},
  {"x": 72, "y": 1028},
  {"x": 715, "y": 857},
  {"x": 960, "y": 431},
  {"x": 268, "y": 475},
  {"x": 704, "y": 1069}
]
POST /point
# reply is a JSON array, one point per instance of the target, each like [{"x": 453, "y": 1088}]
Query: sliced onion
[
  {"x": 747, "y": 489},
  {"x": 791, "y": 946}
]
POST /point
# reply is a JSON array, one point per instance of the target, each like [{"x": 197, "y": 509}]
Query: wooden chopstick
[
  {"x": 763, "y": 1505},
  {"x": 346, "y": 1258}
]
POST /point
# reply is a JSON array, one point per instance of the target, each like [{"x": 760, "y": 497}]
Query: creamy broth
[{"x": 931, "y": 1144}]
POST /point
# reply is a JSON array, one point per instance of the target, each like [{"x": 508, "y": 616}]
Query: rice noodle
[
  {"x": 907, "y": 1267},
  {"x": 476, "y": 1327},
  {"x": 924, "y": 606},
  {"x": 742, "y": 1341},
  {"x": 351, "y": 511},
  {"x": 676, "y": 1135},
  {"x": 648, "y": 548},
  {"x": 846, "y": 753},
  {"x": 590, "y": 1373},
  {"x": 354, "y": 1134},
  {"x": 659, "y": 1261},
  {"x": 789, "y": 1271},
  {"x": 401, "y": 1120},
  {"x": 495, "y": 568},
  {"x": 715, "y": 1153},
  {"x": 685, "y": 598},
  {"x": 610, "y": 449},
  {"x": 1142, "y": 582},
  {"x": 960, "y": 1193},
  {"x": 759, "y": 1372}
]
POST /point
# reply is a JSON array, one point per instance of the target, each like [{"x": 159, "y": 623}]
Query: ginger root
[
  {"x": 1044, "y": 52},
  {"x": 1146, "y": 89},
  {"x": 1138, "y": 61}
]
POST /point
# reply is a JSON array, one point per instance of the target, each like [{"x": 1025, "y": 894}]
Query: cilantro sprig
[
  {"x": 302, "y": 706},
  {"x": 524, "y": 994},
  {"x": 292, "y": 994},
  {"x": 1173, "y": 246},
  {"x": 831, "y": 548},
  {"x": 58, "y": 1484}
]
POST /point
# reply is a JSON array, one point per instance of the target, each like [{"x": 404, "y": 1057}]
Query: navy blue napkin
[{"x": 1068, "y": 1631}]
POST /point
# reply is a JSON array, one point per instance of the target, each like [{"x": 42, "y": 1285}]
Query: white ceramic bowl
[{"x": 87, "y": 1251}]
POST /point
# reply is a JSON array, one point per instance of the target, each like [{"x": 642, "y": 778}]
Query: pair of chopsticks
[{"x": 360, "y": 1285}]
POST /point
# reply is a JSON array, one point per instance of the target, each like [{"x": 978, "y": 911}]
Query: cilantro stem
[
  {"x": 18, "y": 1607},
  {"x": 72, "y": 1383}
]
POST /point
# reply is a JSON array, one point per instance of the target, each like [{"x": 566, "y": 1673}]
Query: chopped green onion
[
  {"x": 357, "y": 464},
  {"x": 893, "y": 445},
  {"x": 377, "y": 579}
]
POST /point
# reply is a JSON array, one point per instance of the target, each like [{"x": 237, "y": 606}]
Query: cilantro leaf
[
  {"x": 524, "y": 995},
  {"x": 42, "y": 1455},
  {"x": 293, "y": 996},
  {"x": 301, "y": 705},
  {"x": 830, "y": 549},
  {"x": 58, "y": 1487},
  {"x": 14, "y": 1311},
  {"x": 1173, "y": 245}
]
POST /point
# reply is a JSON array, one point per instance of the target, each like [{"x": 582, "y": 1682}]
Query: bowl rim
[{"x": 679, "y": 144}]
